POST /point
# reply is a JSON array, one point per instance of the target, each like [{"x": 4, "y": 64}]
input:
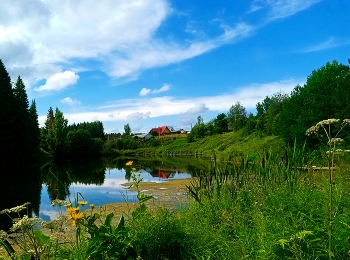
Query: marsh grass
[{"x": 265, "y": 206}]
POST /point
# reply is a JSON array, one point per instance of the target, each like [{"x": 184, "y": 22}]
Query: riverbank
[{"x": 169, "y": 194}]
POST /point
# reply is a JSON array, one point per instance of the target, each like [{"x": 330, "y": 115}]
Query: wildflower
[
  {"x": 327, "y": 122},
  {"x": 74, "y": 223},
  {"x": 129, "y": 163},
  {"x": 15, "y": 209},
  {"x": 346, "y": 121},
  {"x": 58, "y": 202},
  {"x": 78, "y": 216},
  {"x": 92, "y": 206},
  {"x": 3, "y": 235},
  {"x": 83, "y": 203},
  {"x": 67, "y": 205},
  {"x": 312, "y": 130},
  {"x": 71, "y": 211},
  {"x": 335, "y": 140},
  {"x": 133, "y": 169},
  {"x": 25, "y": 223}
]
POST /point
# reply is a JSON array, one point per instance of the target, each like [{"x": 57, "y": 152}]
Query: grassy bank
[
  {"x": 223, "y": 146},
  {"x": 247, "y": 211}
]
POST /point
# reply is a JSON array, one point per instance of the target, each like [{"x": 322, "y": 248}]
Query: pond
[
  {"x": 110, "y": 191},
  {"x": 99, "y": 182}
]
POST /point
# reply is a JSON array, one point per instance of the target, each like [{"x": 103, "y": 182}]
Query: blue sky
[{"x": 165, "y": 62}]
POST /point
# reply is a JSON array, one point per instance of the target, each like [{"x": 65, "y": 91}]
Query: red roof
[{"x": 159, "y": 130}]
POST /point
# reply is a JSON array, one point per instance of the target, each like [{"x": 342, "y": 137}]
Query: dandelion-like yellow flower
[
  {"x": 92, "y": 206},
  {"x": 129, "y": 163},
  {"x": 74, "y": 223},
  {"x": 77, "y": 216},
  {"x": 133, "y": 169},
  {"x": 82, "y": 202},
  {"x": 68, "y": 205},
  {"x": 71, "y": 211}
]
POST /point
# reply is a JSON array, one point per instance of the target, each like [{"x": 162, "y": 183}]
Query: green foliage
[
  {"x": 324, "y": 95},
  {"x": 127, "y": 129},
  {"x": 109, "y": 242},
  {"x": 237, "y": 116}
]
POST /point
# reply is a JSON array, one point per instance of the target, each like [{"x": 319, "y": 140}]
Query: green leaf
[
  {"x": 40, "y": 238},
  {"x": 109, "y": 219}
]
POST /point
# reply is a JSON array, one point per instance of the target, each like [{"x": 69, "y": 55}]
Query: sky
[{"x": 149, "y": 63}]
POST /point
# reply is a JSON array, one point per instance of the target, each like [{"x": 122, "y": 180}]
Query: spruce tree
[
  {"x": 7, "y": 120},
  {"x": 33, "y": 128},
  {"x": 21, "y": 116}
]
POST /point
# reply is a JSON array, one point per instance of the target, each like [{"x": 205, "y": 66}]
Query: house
[
  {"x": 162, "y": 130},
  {"x": 166, "y": 130}
]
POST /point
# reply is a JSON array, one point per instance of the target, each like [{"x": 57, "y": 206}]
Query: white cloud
[
  {"x": 156, "y": 53},
  {"x": 70, "y": 102},
  {"x": 197, "y": 109},
  {"x": 166, "y": 87},
  {"x": 124, "y": 110},
  {"x": 144, "y": 91},
  {"x": 57, "y": 32},
  {"x": 281, "y": 8},
  {"x": 328, "y": 44},
  {"x": 59, "y": 81},
  {"x": 138, "y": 116}
]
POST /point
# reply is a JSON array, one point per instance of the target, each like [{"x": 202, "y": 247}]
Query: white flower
[
  {"x": 328, "y": 122},
  {"x": 25, "y": 223},
  {"x": 58, "y": 202}
]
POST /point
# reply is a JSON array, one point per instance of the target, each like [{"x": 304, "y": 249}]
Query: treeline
[
  {"x": 324, "y": 95},
  {"x": 71, "y": 142},
  {"x": 19, "y": 140},
  {"x": 128, "y": 141},
  {"x": 19, "y": 130}
]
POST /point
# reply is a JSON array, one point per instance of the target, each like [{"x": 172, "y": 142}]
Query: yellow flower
[
  {"x": 92, "y": 206},
  {"x": 68, "y": 205},
  {"x": 71, "y": 211},
  {"x": 78, "y": 216},
  {"x": 133, "y": 169},
  {"x": 129, "y": 163},
  {"x": 82, "y": 202},
  {"x": 74, "y": 223}
]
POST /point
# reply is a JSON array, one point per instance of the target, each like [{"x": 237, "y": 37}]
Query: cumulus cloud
[
  {"x": 144, "y": 91},
  {"x": 138, "y": 116},
  {"x": 70, "y": 102},
  {"x": 109, "y": 31},
  {"x": 197, "y": 109},
  {"x": 121, "y": 112},
  {"x": 59, "y": 81}
]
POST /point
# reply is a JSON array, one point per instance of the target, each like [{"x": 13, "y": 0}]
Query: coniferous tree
[
  {"x": 7, "y": 120},
  {"x": 33, "y": 128},
  {"x": 21, "y": 116}
]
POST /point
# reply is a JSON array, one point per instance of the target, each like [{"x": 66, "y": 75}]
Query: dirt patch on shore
[{"x": 167, "y": 194}]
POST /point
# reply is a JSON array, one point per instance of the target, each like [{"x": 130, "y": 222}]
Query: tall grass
[{"x": 265, "y": 206}]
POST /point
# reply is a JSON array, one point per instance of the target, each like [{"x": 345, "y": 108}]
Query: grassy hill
[{"x": 224, "y": 146}]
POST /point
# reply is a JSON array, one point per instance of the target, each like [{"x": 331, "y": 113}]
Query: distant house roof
[{"x": 160, "y": 130}]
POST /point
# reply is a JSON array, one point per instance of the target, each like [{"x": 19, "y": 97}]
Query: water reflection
[{"x": 99, "y": 181}]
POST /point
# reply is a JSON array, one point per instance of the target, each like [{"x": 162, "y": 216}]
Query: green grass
[
  {"x": 269, "y": 210},
  {"x": 224, "y": 146}
]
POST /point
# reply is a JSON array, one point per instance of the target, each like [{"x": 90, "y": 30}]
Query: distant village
[{"x": 155, "y": 132}]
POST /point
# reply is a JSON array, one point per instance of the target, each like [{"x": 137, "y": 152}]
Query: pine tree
[
  {"x": 7, "y": 122},
  {"x": 33, "y": 128},
  {"x": 21, "y": 116}
]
